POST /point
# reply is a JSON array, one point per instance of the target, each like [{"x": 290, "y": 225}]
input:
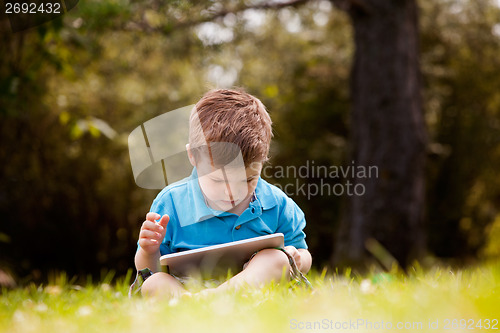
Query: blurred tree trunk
[{"x": 387, "y": 131}]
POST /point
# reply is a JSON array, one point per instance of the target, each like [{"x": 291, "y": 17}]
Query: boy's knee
[
  {"x": 158, "y": 283},
  {"x": 276, "y": 260}
]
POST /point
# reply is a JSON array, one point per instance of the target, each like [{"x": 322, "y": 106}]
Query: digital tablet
[{"x": 216, "y": 260}]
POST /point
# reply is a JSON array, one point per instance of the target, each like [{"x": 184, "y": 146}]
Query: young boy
[{"x": 223, "y": 200}]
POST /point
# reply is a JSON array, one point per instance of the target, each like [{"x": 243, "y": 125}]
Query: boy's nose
[
  {"x": 232, "y": 191},
  {"x": 228, "y": 191}
]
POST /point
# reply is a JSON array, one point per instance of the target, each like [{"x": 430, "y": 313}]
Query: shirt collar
[{"x": 265, "y": 195}]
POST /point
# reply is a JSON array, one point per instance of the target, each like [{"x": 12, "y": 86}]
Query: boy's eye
[
  {"x": 217, "y": 180},
  {"x": 249, "y": 180}
]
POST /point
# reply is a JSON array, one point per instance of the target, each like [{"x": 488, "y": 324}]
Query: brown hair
[{"x": 231, "y": 116}]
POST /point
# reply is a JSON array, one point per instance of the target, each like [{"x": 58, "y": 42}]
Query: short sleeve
[{"x": 291, "y": 224}]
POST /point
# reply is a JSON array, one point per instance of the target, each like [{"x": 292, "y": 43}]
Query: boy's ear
[{"x": 190, "y": 155}]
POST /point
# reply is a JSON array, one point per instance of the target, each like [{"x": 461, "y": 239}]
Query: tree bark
[{"x": 387, "y": 131}]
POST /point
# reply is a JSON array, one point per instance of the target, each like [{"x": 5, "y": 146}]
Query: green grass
[{"x": 439, "y": 294}]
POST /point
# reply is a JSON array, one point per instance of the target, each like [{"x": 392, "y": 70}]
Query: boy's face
[{"x": 229, "y": 187}]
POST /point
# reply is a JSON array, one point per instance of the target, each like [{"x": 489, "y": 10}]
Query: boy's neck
[{"x": 238, "y": 209}]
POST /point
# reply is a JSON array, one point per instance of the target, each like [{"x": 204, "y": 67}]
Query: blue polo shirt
[{"x": 193, "y": 224}]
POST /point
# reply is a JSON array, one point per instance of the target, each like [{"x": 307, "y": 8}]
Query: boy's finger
[
  {"x": 148, "y": 225},
  {"x": 149, "y": 234},
  {"x": 143, "y": 242},
  {"x": 152, "y": 216},
  {"x": 291, "y": 250},
  {"x": 164, "y": 221}
]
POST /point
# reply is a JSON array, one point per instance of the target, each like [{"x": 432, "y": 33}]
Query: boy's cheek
[
  {"x": 207, "y": 188},
  {"x": 218, "y": 191},
  {"x": 210, "y": 193},
  {"x": 251, "y": 187}
]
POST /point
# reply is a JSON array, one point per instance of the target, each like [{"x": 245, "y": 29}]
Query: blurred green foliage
[
  {"x": 460, "y": 47},
  {"x": 73, "y": 89}
]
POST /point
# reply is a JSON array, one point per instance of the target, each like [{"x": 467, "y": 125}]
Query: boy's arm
[
  {"x": 147, "y": 260},
  {"x": 305, "y": 260},
  {"x": 291, "y": 224}
]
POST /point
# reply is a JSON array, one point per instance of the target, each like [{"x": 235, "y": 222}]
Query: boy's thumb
[{"x": 164, "y": 221}]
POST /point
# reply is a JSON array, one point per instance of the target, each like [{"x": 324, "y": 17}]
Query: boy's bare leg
[
  {"x": 266, "y": 266},
  {"x": 163, "y": 285}
]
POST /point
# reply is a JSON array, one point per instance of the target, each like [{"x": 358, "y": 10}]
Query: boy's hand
[
  {"x": 152, "y": 233},
  {"x": 291, "y": 250}
]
